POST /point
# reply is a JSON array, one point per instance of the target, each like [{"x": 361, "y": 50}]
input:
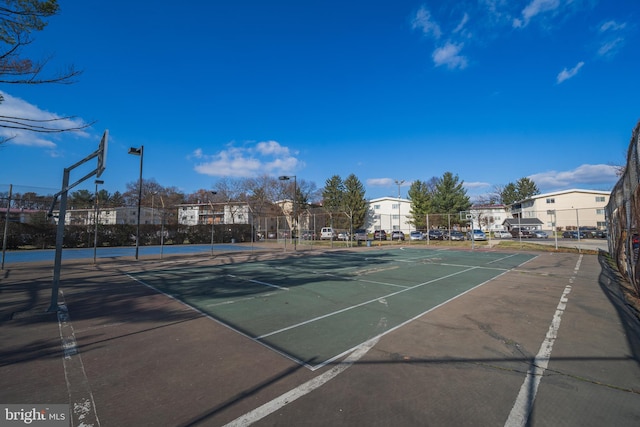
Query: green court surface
[{"x": 315, "y": 309}]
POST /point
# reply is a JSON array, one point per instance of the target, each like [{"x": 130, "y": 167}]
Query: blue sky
[{"x": 490, "y": 90}]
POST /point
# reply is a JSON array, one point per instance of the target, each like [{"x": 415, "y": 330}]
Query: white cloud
[
  {"x": 380, "y": 182},
  {"x": 534, "y": 8},
  {"x": 449, "y": 55},
  {"x": 272, "y": 148},
  {"x": 567, "y": 74},
  {"x": 425, "y": 23},
  {"x": 462, "y": 23},
  {"x": 16, "y": 107},
  {"x": 249, "y": 160},
  {"x": 610, "y": 47},
  {"x": 584, "y": 175},
  {"x": 612, "y": 25},
  {"x": 612, "y": 38},
  {"x": 476, "y": 185}
]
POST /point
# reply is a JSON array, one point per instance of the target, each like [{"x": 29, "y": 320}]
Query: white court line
[
  {"x": 226, "y": 325},
  {"x": 523, "y": 405},
  {"x": 83, "y": 405},
  {"x": 306, "y": 322},
  {"x": 259, "y": 282},
  {"x": 302, "y": 390}
]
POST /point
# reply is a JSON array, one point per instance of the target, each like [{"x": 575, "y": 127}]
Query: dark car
[
  {"x": 573, "y": 234},
  {"x": 589, "y": 232},
  {"x": 523, "y": 234},
  {"x": 360, "y": 235},
  {"x": 456, "y": 235},
  {"x": 435, "y": 235},
  {"x": 397, "y": 235},
  {"x": 601, "y": 234},
  {"x": 379, "y": 235}
]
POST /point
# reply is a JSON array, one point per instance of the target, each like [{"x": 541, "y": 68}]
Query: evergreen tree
[
  {"x": 526, "y": 188},
  {"x": 420, "y": 195},
  {"x": 333, "y": 196},
  {"x": 523, "y": 189},
  {"x": 354, "y": 202},
  {"x": 509, "y": 194},
  {"x": 450, "y": 197}
]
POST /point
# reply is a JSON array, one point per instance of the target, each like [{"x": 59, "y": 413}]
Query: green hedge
[{"x": 43, "y": 236}]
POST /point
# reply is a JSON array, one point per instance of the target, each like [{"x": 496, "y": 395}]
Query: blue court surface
[
  {"x": 70, "y": 254},
  {"x": 316, "y": 309}
]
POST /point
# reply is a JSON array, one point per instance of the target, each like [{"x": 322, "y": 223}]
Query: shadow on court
[{"x": 149, "y": 359}]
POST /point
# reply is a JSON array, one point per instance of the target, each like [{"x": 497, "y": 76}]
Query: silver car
[
  {"x": 502, "y": 234},
  {"x": 539, "y": 234}
]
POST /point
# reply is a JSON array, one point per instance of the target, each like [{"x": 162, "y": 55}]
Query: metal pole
[
  {"x": 57, "y": 265},
  {"x": 6, "y": 225},
  {"x": 213, "y": 193},
  {"x": 95, "y": 222},
  {"x": 294, "y": 232},
  {"x": 555, "y": 233},
  {"x": 162, "y": 229},
  {"x": 139, "y": 202}
]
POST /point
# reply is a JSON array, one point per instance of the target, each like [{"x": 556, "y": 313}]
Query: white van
[{"x": 327, "y": 233}]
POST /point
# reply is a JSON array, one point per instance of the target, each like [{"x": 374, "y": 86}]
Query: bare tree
[{"x": 18, "y": 20}]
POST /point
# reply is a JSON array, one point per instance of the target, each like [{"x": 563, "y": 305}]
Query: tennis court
[{"x": 316, "y": 309}]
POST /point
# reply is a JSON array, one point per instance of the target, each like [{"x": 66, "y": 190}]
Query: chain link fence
[{"x": 623, "y": 213}]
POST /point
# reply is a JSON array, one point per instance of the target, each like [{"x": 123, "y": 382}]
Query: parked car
[
  {"x": 573, "y": 234},
  {"x": 502, "y": 234},
  {"x": 379, "y": 235},
  {"x": 327, "y": 233},
  {"x": 476, "y": 235},
  {"x": 521, "y": 233},
  {"x": 539, "y": 234},
  {"x": 589, "y": 232},
  {"x": 416, "y": 235},
  {"x": 601, "y": 234},
  {"x": 343, "y": 236},
  {"x": 456, "y": 235},
  {"x": 397, "y": 235},
  {"x": 435, "y": 235},
  {"x": 360, "y": 235}
]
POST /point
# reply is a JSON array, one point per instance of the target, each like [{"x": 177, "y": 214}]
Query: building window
[
  {"x": 394, "y": 206},
  {"x": 376, "y": 207},
  {"x": 551, "y": 200},
  {"x": 600, "y": 199},
  {"x": 599, "y": 211}
]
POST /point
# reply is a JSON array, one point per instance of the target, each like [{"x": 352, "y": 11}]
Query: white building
[
  {"x": 110, "y": 216},
  {"x": 389, "y": 214},
  {"x": 214, "y": 213},
  {"x": 489, "y": 217},
  {"x": 565, "y": 210}
]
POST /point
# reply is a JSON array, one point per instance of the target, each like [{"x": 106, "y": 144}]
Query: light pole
[
  {"x": 213, "y": 193},
  {"x": 95, "y": 221},
  {"x": 162, "y": 228},
  {"x": 294, "y": 220},
  {"x": 138, "y": 152},
  {"x": 399, "y": 183},
  {"x": 153, "y": 210}
]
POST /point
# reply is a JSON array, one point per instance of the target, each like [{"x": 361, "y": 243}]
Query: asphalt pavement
[{"x": 551, "y": 342}]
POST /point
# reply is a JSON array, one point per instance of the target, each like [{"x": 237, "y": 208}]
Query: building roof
[
  {"x": 513, "y": 222},
  {"x": 386, "y": 198},
  {"x": 574, "y": 190}
]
